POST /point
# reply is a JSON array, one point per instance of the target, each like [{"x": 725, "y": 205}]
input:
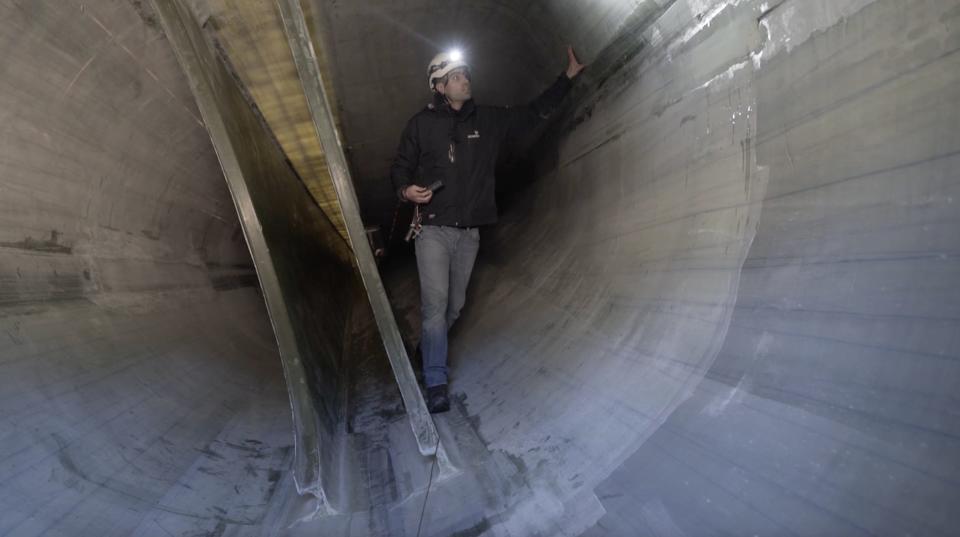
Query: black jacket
[{"x": 461, "y": 148}]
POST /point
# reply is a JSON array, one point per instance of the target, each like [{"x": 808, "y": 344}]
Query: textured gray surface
[
  {"x": 140, "y": 392},
  {"x": 728, "y": 306},
  {"x": 811, "y": 392},
  {"x": 142, "y": 415}
]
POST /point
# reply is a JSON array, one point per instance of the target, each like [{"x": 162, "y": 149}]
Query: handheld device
[{"x": 436, "y": 185}]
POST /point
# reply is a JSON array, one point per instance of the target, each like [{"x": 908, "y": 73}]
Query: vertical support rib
[
  {"x": 304, "y": 56},
  {"x": 199, "y": 67}
]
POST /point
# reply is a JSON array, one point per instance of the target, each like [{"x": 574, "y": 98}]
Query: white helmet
[{"x": 442, "y": 64}]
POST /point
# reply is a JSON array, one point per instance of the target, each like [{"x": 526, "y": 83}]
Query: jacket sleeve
[
  {"x": 522, "y": 119},
  {"x": 405, "y": 164}
]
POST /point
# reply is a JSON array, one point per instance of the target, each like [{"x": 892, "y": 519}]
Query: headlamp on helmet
[{"x": 442, "y": 64}]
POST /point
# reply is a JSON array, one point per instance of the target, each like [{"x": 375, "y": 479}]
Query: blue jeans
[{"x": 445, "y": 257}]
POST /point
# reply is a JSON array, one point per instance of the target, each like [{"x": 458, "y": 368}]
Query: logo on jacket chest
[{"x": 451, "y": 149}]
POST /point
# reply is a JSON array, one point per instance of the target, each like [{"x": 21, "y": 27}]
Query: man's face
[{"x": 457, "y": 86}]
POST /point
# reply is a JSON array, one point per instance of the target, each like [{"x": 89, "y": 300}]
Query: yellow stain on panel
[{"x": 251, "y": 33}]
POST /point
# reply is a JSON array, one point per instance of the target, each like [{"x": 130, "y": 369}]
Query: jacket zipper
[{"x": 456, "y": 170}]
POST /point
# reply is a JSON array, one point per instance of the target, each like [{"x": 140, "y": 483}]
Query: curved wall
[
  {"x": 140, "y": 388},
  {"x": 737, "y": 284}
]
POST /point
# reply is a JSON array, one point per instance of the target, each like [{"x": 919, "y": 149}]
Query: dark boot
[{"x": 437, "y": 399}]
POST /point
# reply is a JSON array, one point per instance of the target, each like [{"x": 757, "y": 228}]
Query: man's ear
[{"x": 441, "y": 89}]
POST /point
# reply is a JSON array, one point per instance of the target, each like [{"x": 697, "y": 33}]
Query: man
[{"x": 456, "y": 142}]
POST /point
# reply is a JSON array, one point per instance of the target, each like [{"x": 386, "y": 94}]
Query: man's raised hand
[{"x": 573, "y": 66}]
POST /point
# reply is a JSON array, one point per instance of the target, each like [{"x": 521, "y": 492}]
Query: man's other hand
[
  {"x": 418, "y": 194},
  {"x": 573, "y": 66}
]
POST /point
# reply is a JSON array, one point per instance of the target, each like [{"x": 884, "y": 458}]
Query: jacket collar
[{"x": 441, "y": 106}]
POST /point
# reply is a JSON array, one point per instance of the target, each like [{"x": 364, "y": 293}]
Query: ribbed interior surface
[{"x": 723, "y": 297}]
